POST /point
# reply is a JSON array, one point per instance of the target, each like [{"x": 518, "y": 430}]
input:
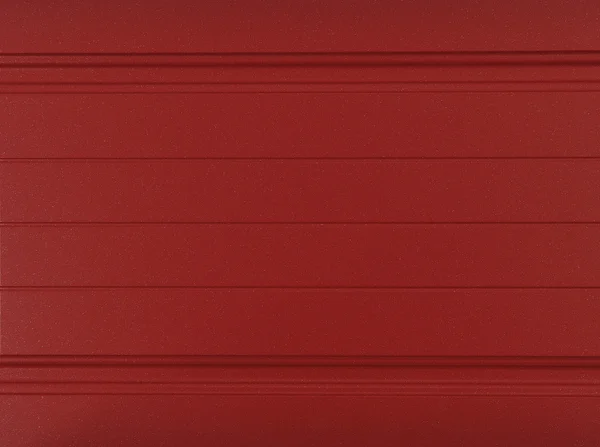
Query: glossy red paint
[{"x": 259, "y": 223}]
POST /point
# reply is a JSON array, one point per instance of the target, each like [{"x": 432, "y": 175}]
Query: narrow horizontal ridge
[
  {"x": 291, "y": 287},
  {"x": 303, "y": 59},
  {"x": 289, "y": 375},
  {"x": 518, "y": 53},
  {"x": 141, "y": 90},
  {"x": 301, "y": 360},
  {"x": 279, "y": 88},
  {"x": 267, "y": 159},
  {"x": 300, "y": 72},
  {"x": 167, "y": 223},
  {"x": 302, "y": 388}
]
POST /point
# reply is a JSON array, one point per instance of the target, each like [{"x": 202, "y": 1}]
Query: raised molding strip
[
  {"x": 300, "y": 72},
  {"x": 301, "y": 375}
]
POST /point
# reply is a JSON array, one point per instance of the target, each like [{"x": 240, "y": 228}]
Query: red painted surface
[{"x": 264, "y": 223}]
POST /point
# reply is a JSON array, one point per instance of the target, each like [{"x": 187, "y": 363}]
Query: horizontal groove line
[
  {"x": 313, "y": 382},
  {"x": 279, "y": 92},
  {"x": 258, "y": 222},
  {"x": 301, "y": 386},
  {"x": 283, "y": 287},
  {"x": 307, "y": 59},
  {"x": 307, "y": 83},
  {"x": 473, "y": 394},
  {"x": 308, "y": 65},
  {"x": 315, "y": 53},
  {"x": 300, "y": 360},
  {"x": 557, "y": 392},
  {"x": 292, "y": 159},
  {"x": 214, "y": 84}
]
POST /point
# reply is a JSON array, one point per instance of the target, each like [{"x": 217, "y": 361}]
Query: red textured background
[{"x": 279, "y": 223}]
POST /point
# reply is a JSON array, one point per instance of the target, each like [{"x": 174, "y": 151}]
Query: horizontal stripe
[
  {"x": 408, "y": 125},
  {"x": 346, "y": 322},
  {"x": 336, "y": 255},
  {"x": 302, "y": 191}
]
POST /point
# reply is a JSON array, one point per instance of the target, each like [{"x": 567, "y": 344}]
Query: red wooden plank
[
  {"x": 375, "y": 322},
  {"x": 302, "y": 191},
  {"x": 299, "y": 420},
  {"x": 449, "y": 255},
  {"x": 269, "y": 25},
  {"x": 237, "y": 289},
  {"x": 550, "y": 124}
]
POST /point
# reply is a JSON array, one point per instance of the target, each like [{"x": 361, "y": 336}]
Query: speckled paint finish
[
  {"x": 289, "y": 223},
  {"x": 174, "y": 26}
]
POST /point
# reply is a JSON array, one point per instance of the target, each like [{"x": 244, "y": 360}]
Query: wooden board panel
[
  {"x": 324, "y": 25},
  {"x": 302, "y": 191},
  {"x": 328, "y": 255},
  {"x": 279, "y": 322},
  {"x": 300, "y": 420},
  {"x": 292, "y": 125},
  {"x": 277, "y": 223}
]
